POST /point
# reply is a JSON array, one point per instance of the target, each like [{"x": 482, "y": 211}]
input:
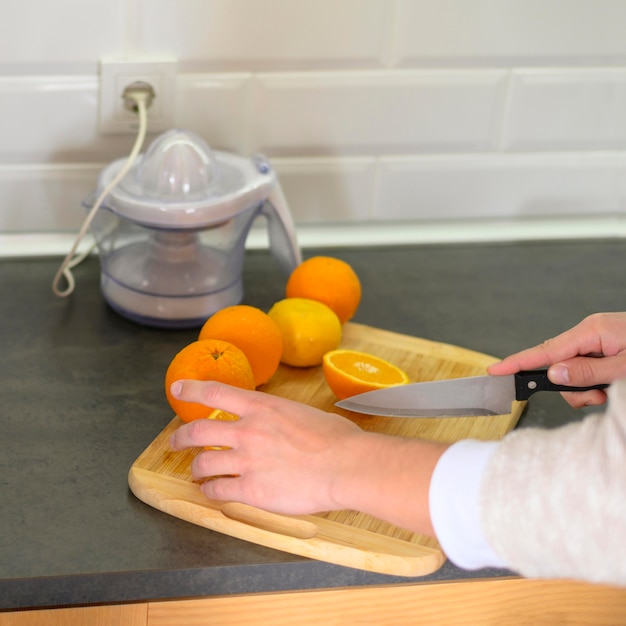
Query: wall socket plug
[{"x": 116, "y": 74}]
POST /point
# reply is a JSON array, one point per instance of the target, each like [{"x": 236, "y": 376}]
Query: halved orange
[
  {"x": 225, "y": 416},
  {"x": 349, "y": 372}
]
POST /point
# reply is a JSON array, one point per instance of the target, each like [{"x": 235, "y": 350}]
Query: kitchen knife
[{"x": 474, "y": 395}]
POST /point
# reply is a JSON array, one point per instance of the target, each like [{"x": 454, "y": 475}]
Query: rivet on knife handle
[
  {"x": 282, "y": 524},
  {"x": 528, "y": 382}
]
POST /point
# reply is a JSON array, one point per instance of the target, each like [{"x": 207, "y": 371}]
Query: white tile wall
[
  {"x": 340, "y": 113},
  {"x": 266, "y": 35},
  {"x": 44, "y": 198},
  {"x": 62, "y": 35},
  {"x": 372, "y": 111},
  {"x": 505, "y": 186},
  {"x": 323, "y": 190},
  {"x": 510, "y": 32},
  {"x": 567, "y": 109}
]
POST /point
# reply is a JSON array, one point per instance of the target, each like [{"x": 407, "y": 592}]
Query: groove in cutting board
[{"x": 161, "y": 477}]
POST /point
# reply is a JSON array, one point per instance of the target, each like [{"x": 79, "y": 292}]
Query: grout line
[
  {"x": 390, "y": 48},
  {"x": 502, "y": 133},
  {"x": 131, "y": 28},
  {"x": 375, "y": 189},
  {"x": 249, "y": 93}
]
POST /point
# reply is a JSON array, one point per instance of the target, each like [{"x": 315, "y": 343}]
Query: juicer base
[{"x": 165, "y": 311}]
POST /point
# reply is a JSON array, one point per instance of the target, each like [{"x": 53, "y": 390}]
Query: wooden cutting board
[{"x": 162, "y": 479}]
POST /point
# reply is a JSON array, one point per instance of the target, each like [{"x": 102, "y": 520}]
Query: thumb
[{"x": 587, "y": 371}]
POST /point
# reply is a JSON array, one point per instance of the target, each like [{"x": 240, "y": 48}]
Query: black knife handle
[{"x": 528, "y": 382}]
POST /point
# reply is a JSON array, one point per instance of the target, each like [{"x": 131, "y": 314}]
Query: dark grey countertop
[{"x": 82, "y": 396}]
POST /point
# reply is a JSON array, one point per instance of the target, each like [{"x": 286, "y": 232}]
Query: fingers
[
  {"x": 225, "y": 488},
  {"x": 576, "y": 372},
  {"x": 600, "y": 334},
  {"x": 552, "y": 351},
  {"x": 215, "y": 463},
  {"x": 205, "y": 432},
  {"x": 586, "y": 371},
  {"x": 578, "y": 399},
  {"x": 213, "y": 394},
  {"x": 220, "y": 473},
  {"x": 210, "y": 432}
]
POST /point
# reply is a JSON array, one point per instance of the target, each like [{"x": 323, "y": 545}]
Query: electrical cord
[{"x": 142, "y": 98}]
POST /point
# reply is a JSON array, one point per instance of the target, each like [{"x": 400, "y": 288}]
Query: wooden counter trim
[
  {"x": 502, "y": 601},
  {"x": 472, "y": 602},
  {"x": 114, "y": 615}
]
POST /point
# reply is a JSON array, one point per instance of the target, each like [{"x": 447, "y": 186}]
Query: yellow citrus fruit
[
  {"x": 209, "y": 359},
  {"x": 309, "y": 329},
  {"x": 254, "y": 332},
  {"x": 349, "y": 372},
  {"x": 328, "y": 280}
]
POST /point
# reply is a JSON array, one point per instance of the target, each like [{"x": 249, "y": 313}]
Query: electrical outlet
[{"x": 116, "y": 75}]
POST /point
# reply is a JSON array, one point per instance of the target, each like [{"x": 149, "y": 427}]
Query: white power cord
[{"x": 143, "y": 98}]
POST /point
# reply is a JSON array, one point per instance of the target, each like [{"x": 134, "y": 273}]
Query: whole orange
[
  {"x": 254, "y": 332},
  {"x": 328, "y": 280},
  {"x": 209, "y": 359},
  {"x": 309, "y": 329}
]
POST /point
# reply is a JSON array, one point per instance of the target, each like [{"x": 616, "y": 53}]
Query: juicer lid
[{"x": 179, "y": 182}]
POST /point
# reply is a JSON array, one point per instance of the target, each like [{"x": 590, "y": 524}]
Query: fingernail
[
  {"x": 559, "y": 374},
  {"x": 176, "y": 388}
]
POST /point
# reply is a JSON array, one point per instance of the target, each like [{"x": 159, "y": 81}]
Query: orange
[
  {"x": 225, "y": 416},
  {"x": 349, "y": 372},
  {"x": 218, "y": 414},
  {"x": 327, "y": 280},
  {"x": 309, "y": 329},
  {"x": 209, "y": 359},
  {"x": 253, "y": 332}
]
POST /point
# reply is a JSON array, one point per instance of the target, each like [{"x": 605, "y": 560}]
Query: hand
[
  {"x": 290, "y": 458},
  {"x": 591, "y": 353}
]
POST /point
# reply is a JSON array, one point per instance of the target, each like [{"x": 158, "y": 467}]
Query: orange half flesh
[{"x": 349, "y": 372}]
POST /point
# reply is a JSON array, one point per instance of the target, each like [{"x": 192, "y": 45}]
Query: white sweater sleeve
[
  {"x": 553, "y": 502},
  {"x": 454, "y": 498}
]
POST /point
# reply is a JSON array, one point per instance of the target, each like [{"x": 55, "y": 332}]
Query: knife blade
[{"x": 470, "y": 396}]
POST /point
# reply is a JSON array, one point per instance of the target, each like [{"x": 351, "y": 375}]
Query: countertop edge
[{"x": 39, "y": 244}]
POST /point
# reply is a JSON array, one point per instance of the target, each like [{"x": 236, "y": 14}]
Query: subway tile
[
  {"x": 57, "y": 113},
  {"x": 273, "y": 34},
  {"x": 357, "y": 190},
  {"x": 356, "y": 113},
  {"x": 54, "y": 120},
  {"x": 60, "y": 117},
  {"x": 510, "y": 32},
  {"x": 496, "y": 186},
  {"x": 38, "y": 35},
  {"x": 620, "y": 165},
  {"x": 561, "y": 109},
  {"x": 327, "y": 190},
  {"x": 216, "y": 107},
  {"x": 379, "y": 110},
  {"x": 44, "y": 198}
]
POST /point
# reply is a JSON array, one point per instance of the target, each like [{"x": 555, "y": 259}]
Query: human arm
[
  {"x": 552, "y": 501},
  {"x": 591, "y": 353},
  {"x": 291, "y": 458},
  {"x": 543, "y": 503}
]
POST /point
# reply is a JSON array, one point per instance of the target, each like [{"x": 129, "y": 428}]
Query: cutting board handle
[{"x": 282, "y": 524}]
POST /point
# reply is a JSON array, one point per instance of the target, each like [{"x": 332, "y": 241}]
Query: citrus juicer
[{"x": 171, "y": 235}]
